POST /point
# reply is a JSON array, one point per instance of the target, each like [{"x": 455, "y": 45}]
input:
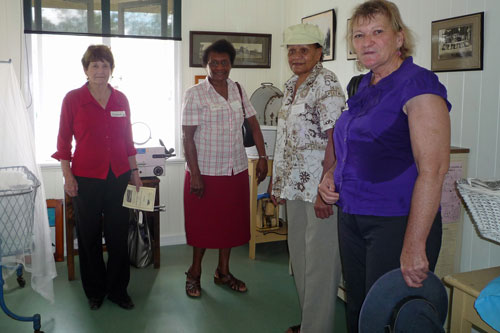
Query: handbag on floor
[{"x": 140, "y": 249}]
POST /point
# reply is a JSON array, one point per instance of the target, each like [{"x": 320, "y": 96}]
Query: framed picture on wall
[
  {"x": 252, "y": 50},
  {"x": 351, "y": 55},
  {"x": 327, "y": 23},
  {"x": 199, "y": 78},
  {"x": 457, "y": 43}
]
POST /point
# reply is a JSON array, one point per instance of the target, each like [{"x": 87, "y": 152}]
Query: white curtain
[{"x": 17, "y": 147}]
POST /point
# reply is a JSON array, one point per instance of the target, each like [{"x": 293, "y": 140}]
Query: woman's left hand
[
  {"x": 261, "y": 170},
  {"x": 136, "y": 180},
  {"x": 414, "y": 265}
]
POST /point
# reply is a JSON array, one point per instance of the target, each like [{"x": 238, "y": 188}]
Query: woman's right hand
[
  {"x": 197, "y": 186},
  {"x": 276, "y": 201},
  {"x": 70, "y": 185},
  {"x": 327, "y": 190}
]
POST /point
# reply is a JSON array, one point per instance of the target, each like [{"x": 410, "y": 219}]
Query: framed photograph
[
  {"x": 457, "y": 43},
  {"x": 252, "y": 50},
  {"x": 327, "y": 23},
  {"x": 351, "y": 55}
]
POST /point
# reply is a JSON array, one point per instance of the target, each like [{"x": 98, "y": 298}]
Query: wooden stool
[{"x": 466, "y": 288}]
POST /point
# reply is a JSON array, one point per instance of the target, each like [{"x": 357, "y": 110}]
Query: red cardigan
[{"x": 103, "y": 136}]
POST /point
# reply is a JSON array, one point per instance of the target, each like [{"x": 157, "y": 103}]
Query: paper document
[
  {"x": 493, "y": 185},
  {"x": 142, "y": 200}
]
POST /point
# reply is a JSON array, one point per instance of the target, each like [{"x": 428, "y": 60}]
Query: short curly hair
[
  {"x": 98, "y": 53},
  {"x": 368, "y": 9},
  {"x": 220, "y": 46}
]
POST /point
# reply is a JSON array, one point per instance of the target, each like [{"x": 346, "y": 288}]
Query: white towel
[{"x": 14, "y": 180}]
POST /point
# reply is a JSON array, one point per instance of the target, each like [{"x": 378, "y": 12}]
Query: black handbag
[
  {"x": 140, "y": 249},
  {"x": 245, "y": 128}
]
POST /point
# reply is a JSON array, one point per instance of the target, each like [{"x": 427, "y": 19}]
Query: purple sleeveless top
[{"x": 376, "y": 171}]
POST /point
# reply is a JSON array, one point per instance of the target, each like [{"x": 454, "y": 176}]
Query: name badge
[
  {"x": 118, "y": 114},
  {"x": 216, "y": 107},
  {"x": 298, "y": 108},
  {"x": 236, "y": 105}
]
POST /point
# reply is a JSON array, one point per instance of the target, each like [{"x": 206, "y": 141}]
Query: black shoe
[
  {"x": 95, "y": 303},
  {"x": 125, "y": 303}
]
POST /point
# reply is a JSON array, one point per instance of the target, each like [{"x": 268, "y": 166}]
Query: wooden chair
[{"x": 57, "y": 205}]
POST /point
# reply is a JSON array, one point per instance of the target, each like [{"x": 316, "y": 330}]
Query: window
[
  {"x": 145, "y": 18},
  {"x": 144, "y": 72},
  {"x": 58, "y": 33}
]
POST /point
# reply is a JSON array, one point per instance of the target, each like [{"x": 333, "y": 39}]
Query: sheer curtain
[{"x": 17, "y": 147}]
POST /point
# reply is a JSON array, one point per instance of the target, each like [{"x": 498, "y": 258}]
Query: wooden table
[
  {"x": 466, "y": 288},
  {"x": 257, "y": 236},
  {"x": 154, "y": 220}
]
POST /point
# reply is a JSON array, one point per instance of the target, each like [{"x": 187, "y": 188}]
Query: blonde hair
[{"x": 370, "y": 8}]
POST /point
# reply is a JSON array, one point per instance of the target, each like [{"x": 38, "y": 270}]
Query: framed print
[
  {"x": 199, "y": 78},
  {"x": 327, "y": 23},
  {"x": 457, "y": 43},
  {"x": 252, "y": 50},
  {"x": 351, "y": 55}
]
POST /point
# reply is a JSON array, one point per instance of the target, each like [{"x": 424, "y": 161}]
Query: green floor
[{"x": 271, "y": 304}]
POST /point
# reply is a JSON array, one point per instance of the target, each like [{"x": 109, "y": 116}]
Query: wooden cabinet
[
  {"x": 466, "y": 288},
  {"x": 260, "y": 236}
]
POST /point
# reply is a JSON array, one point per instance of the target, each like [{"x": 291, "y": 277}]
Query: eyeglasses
[{"x": 215, "y": 63}]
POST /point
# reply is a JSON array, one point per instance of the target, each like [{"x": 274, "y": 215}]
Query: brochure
[{"x": 142, "y": 200}]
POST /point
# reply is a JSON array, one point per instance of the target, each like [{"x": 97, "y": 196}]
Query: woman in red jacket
[{"x": 97, "y": 117}]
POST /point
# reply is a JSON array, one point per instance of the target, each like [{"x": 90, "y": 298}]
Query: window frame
[{"x": 28, "y": 5}]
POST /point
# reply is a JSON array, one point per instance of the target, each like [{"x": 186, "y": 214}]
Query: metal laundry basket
[
  {"x": 17, "y": 205},
  {"x": 483, "y": 201}
]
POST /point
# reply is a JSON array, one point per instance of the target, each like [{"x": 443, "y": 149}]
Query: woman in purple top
[{"x": 392, "y": 146}]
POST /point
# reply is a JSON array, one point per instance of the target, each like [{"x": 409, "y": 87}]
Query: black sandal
[
  {"x": 230, "y": 281},
  {"x": 193, "y": 285}
]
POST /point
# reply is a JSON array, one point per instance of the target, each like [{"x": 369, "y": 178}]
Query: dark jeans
[
  {"x": 98, "y": 209},
  {"x": 370, "y": 246}
]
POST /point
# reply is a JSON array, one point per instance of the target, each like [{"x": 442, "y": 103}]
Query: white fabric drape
[{"x": 17, "y": 147}]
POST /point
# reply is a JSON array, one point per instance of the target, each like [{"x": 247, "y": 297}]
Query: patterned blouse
[
  {"x": 301, "y": 135},
  {"x": 218, "y": 138}
]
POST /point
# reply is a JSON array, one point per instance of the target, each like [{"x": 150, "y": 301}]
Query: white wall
[
  {"x": 11, "y": 32},
  {"x": 475, "y": 116},
  {"x": 260, "y": 16},
  {"x": 474, "y": 94}
]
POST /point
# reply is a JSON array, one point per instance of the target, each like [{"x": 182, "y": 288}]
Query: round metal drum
[{"x": 267, "y": 102}]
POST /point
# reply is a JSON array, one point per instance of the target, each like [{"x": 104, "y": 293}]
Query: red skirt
[{"x": 221, "y": 218}]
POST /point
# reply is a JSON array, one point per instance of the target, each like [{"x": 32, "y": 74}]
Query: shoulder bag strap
[
  {"x": 241, "y": 96},
  {"x": 352, "y": 86}
]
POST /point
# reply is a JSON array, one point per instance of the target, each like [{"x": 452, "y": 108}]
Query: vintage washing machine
[{"x": 267, "y": 102}]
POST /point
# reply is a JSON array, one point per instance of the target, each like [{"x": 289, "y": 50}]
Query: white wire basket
[
  {"x": 17, "y": 212},
  {"x": 483, "y": 201}
]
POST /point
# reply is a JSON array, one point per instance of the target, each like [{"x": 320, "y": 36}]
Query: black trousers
[
  {"x": 98, "y": 209},
  {"x": 371, "y": 246}
]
